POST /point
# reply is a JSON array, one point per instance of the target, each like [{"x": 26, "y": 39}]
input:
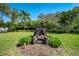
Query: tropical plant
[
  {"x": 54, "y": 42},
  {"x": 25, "y": 17},
  {"x": 26, "y": 40},
  {"x": 1, "y": 23},
  {"x": 14, "y": 18},
  {"x": 4, "y": 10}
]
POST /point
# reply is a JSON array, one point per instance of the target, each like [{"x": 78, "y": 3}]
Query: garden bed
[{"x": 40, "y": 50}]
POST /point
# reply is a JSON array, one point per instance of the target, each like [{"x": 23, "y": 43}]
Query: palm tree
[
  {"x": 1, "y": 23},
  {"x": 25, "y": 17},
  {"x": 14, "y": 18},
  {"x": 1, "y": 11},
  {"x": 4, "y": 10}
]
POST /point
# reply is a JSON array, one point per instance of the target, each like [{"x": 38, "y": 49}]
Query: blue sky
[{"x": 36, "y": 8}]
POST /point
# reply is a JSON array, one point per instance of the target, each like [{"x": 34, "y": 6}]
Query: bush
[
  {"x": 26, "y": 40},
  {"x": 55, "y": 42}
]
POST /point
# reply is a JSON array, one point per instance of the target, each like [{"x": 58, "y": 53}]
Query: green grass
[
  {"x": 70, "y": 43},
  {"x": 8, "y": 42}
]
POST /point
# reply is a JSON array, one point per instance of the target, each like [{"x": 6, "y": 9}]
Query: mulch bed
[{"x": 40, "y": 50}]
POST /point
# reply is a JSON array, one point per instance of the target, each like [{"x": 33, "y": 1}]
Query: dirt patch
[{"x": 40, "y": 50}]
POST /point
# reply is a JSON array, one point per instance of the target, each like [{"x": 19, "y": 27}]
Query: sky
[{"x": 36, "y": 8}]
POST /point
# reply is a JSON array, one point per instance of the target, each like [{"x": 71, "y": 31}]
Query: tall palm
[
  {"x": 4, "y": 10},
  {"x": 1, "y": 23},
  {"x": 14, "y": 18},
  {"x": 1, "y": 7},
  {"x": 25, "y": 17}
]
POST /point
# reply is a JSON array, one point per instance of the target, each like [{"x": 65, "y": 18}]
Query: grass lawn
[
  {"x": 70, "y": 43},
  {"x": 8, "y": 42}
]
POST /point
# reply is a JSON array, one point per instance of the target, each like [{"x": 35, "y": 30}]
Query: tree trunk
[
  {"x": 1, "y": 16},
  {"x": 15, "y": 28},
  {"x": 24, "y": 27}
]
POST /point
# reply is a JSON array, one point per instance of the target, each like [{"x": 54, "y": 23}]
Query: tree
[
  {"x": 14, "y": 18},
  {"x": 1, "y": 23},
  {"x": 74, "y": 25},
  {"x": 4, "y": 10},
  {"x": 25, "y": 17}
]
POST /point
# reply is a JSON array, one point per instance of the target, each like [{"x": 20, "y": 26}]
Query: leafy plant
[
  {"x": 55, "y": 42},
  {"x": 26, "y": 40}
]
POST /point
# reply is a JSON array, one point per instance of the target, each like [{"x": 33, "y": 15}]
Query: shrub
[
  {"x": 55, "y": 42},
  {"x": 26, "y": 40}
]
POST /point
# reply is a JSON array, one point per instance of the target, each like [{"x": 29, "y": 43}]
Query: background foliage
[{"x": 65, "y": 21}]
